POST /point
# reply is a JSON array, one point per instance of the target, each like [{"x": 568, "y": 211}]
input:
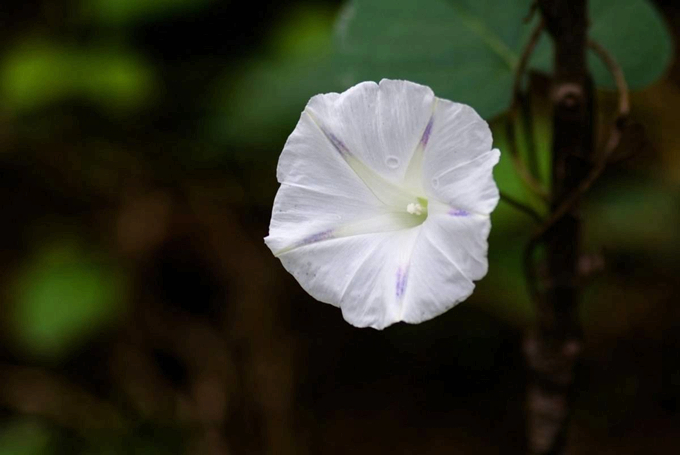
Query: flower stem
[{"x": 521, "y": 207}]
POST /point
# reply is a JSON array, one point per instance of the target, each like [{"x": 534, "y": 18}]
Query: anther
[{"x": 414, "y": 209}]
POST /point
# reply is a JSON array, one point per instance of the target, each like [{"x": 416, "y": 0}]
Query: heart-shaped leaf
[
  {"x": 468, "y": 50},
  {"x": 633, "y": 32}
]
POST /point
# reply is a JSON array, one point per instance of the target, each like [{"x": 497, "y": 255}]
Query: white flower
[{"x": 384, "y": 203}]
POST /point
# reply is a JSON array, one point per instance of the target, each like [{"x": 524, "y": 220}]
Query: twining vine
[{"x": 552, "y": 349}]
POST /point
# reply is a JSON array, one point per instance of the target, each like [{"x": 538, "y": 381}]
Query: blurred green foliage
[
  {"x": 259, "y": 105},
  {"x": 633, "y": 215},
  {"x": 24, "y": 437},
  {"x": 62, "y": 296},
  {"x": 511, "y": 229},
  {"x": 125, "y": 12},
  {"x": 37, "y": 73}
]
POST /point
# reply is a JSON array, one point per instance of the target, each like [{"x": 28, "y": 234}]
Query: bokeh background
[{"x": 141, "y": 313}]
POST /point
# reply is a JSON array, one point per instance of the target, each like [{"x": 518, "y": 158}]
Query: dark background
[{"x": 140, "y": 311}]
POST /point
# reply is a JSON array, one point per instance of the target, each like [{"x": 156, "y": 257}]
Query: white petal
[
  {"x": 458, "y": 135},
  {"x": 439, "y": 271},
  {"x": 462, "y": 237},
  {"x": 458, "y": 160},
  {"x": 346, "y": 220},
  {"x": 323, "y": 196},
  {"x": 318, "y": 188},
  {"x": 411, "y": 275},
  {"x": 302, "y": 217},
  {"x": 468, "y": 186},
  {"x": 364, "y": 274},
  {"x": 309, "y": 160},
  {"x": 381, "y": 125}
]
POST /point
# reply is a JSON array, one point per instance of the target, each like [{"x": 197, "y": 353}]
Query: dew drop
[
  {"x": 392, "y": 162},
  {"x": 435, "y": 182}
]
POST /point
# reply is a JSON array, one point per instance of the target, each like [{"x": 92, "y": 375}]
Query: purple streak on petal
[
  {"x": 426, "y": 133},
  {"x": 338, "y": 144},
  {"x": 402, "y": 276},
  {"x": 323, "y": 235},
  {"x": 458, "y": 212}
]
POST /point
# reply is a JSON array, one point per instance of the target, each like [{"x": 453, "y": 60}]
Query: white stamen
[{"x": 414, "y": 209}]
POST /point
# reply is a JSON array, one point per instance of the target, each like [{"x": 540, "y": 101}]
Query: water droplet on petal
[
  {"x": 435, "y": 182},
  {"x": 392, "y": 162}
]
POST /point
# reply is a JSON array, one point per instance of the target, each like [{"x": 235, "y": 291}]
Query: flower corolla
[{"x": 384, "y": 204}]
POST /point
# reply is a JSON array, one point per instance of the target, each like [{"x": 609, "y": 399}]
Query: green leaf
[
  {"x": 62, "y": 297},
  {"x": 468, "y": 50},
  {"x": 464, "y": 50},
  {"x": 632, "y": 31}
]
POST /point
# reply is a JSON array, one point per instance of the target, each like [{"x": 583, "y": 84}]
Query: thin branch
[
  {"x": 521, "y": 207},
  {"x": 617, "y": 74},
  {"x": 573, "y": 198},
  {"x": 523, "y": 62},
  {"x": 526, "y": 122},
  {"x": 564, "y": 208},
  {"x": 624, "y": 100},
  {"x": 532, "y": 10},
  {"x": 528, "y": 178}
]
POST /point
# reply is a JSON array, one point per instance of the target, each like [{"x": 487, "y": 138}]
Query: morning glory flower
[{"x": 384, "y": 203}]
